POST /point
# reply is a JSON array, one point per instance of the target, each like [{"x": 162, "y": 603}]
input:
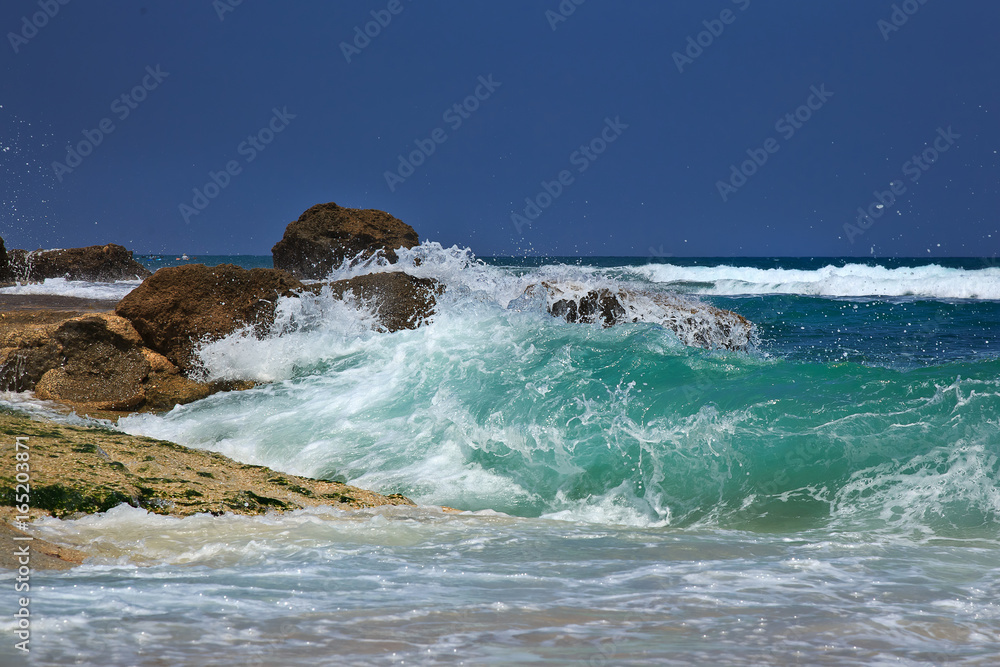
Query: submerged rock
[
  {"x": 695, "y": 323},
  {"x": 180, "y": 306},
  {"x": 400, "y": 300},
  {"x": 327, "y": 234},
  {"x": 104, "y": 263},
  {"x": 42, "y": 554}
]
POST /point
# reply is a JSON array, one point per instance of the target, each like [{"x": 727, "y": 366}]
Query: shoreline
[{"x": 80, "y": 470}]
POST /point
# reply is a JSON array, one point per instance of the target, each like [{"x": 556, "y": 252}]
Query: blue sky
[{"x": 597, "y": 128}]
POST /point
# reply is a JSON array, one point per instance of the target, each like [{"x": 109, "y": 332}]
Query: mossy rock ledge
[{"x": 77, "y": 470}]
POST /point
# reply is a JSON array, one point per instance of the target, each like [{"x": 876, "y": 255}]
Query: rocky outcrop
[
  {"x": 93, "y": 363},
  {"x": 327, "y": 234},
  {"x": 103, "y": 263},
  {"x": 695, "y": 323},
  {"x": 400, "y": 300},
  {"x": 76, "y": 469},
  {"x": 180, "y": 306}
]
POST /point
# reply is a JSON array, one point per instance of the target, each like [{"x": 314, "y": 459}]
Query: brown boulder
[
  {"x": 180, "y": 306},
  {"x": 27, "y": 350},
  {"x": 103, "y": 365},
  {"x": 98, "y": 263},
  {"x": 400, "y": 300},
  {"x": 327, "y": 234},
  {"x": 93, "y": 363}
]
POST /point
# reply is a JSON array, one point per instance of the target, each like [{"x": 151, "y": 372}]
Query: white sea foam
[
  {"x": 82, "y": 289},
  {"x": 307, "y": 331},
  {"x": 852, "y": 280},
  {"x": 424, "y": 587}
]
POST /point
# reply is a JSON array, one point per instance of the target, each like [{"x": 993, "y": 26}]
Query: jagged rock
[
  {"x": 180, "y": 306},
  {"x": 327, "y": 234},
  {"x": 695, "y": 323},
  {"x": 401, "y": 301},
  {"x": 98, "y": 263},
  {"x": 598, "y": 304}
]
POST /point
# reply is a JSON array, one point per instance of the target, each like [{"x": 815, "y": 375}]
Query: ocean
[{"x": 829, "y": 497}]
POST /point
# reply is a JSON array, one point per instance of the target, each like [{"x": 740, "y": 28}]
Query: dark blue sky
[{"x": 609, "y": 67}]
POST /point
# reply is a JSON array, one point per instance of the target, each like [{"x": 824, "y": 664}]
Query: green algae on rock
[{"x": 80, "y": 470}]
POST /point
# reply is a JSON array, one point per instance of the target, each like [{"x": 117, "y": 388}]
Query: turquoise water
[{"x": 831, "y": 496}]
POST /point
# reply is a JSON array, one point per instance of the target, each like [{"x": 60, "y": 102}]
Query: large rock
[
  {"x": 180, "y": 306},
  {"x": 93, "y": 363},
  {"x": 103, "y": 366},
  {"x": 400, "y": 300},
  {"x": 327, "y": 234},
  {"x": 696, "y": 324},
  {"x": 103, "y": 263}
]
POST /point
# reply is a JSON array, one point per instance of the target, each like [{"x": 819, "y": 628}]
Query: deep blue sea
[{"x": 829, "y": 497}]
